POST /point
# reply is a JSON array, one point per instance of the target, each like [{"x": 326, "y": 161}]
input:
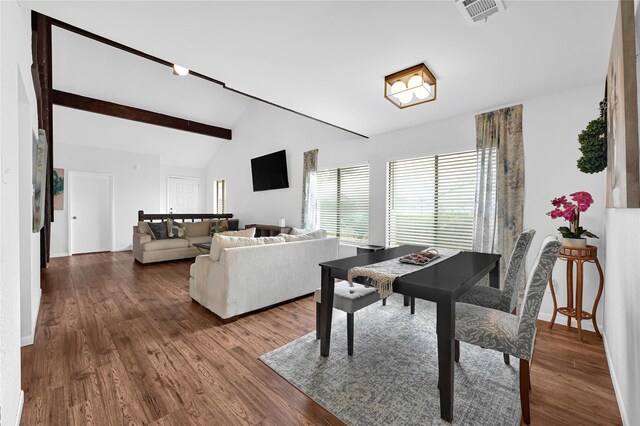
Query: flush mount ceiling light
[
  {"x": 178, "y": 70},
  {"x": 413, "y": 86}
]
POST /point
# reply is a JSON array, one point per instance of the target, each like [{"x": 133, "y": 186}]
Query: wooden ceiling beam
[
  {"x": 112, "y": 43},
  {"x": 124, "y": 47},
  {"x": 84, "y": 103}
]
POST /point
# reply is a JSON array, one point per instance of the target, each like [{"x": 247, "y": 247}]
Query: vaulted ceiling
[{"x": 328, "y": 59}]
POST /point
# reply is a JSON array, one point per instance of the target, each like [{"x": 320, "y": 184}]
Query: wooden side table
[{"x": 579, "y": 256}]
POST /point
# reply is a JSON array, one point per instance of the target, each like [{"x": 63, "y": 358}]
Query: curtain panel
[
  {"x": 310, "y": 190},
  {"x": 500, "y": 182}
]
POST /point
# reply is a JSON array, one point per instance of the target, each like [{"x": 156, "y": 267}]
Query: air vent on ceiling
[{"x": 476, "y": 11}]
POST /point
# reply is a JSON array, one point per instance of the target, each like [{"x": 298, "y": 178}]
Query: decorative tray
[{"x": 421, "y": 257}]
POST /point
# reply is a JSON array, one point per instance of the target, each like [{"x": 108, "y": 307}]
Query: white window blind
[
  {"x": 219, "y": 196},
  {"x": 343, "y": 202},
  {"x": 432, "y": 200}
]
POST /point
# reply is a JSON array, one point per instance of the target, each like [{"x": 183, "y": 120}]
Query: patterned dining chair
[
  {"x": 506, "y": 332},
  {"x": 503, "y": 300},
  {"x": 495, "y": 298}
]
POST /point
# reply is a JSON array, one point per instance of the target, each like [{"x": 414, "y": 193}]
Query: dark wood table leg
[
  {"x": 326, "y": 310},
  {"x": 446, "y": 349},
  {"x": 494, "y": 276},
  {"x": 406, "y": 300}
]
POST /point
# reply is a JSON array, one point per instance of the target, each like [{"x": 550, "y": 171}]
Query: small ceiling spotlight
[{"x": 178, "y": 70}]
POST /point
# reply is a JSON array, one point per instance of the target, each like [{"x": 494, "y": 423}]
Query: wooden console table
[
  {"x": 579, "y": 256},
  {"x": 269, "y": 230}
]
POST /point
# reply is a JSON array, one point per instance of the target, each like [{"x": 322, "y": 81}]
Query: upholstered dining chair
[
  {"x": 506, "y": 332},
  {"x": 503, "y": 300},
  {"x": 495, "y": 298},
  {"x": 350, "y": 300}
]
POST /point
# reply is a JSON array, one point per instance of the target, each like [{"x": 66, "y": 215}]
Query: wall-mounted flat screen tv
[{"x": 270, "y": 171}]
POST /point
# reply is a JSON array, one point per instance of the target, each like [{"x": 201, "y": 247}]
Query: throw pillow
[
  {"x": 159, "y": 230},
  {"x": 218, "y": 226},
  {"x": 175, "y": 229},
  {"x": 143, "y": 228},
  {"x": 222, "y": 225},
  {"x": 220, "y": 242},
  {"x": 249, "y": 232},
  {"x": 298, "y": 231},
  {"x": 315, "y": 235},
  {"x": 196, "y": 229}
]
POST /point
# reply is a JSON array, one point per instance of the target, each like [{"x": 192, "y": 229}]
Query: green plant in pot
[
  {"x": 593, "y": 144},
  {"x": 574, "y": 234}
]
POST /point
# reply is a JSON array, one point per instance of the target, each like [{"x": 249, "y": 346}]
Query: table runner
[{"x": 383, "y": 274}]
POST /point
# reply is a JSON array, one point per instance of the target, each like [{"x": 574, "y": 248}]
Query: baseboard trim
[
  {"x": 544, "y": 316},
  {"x": 128, "y": 248},
  {"x": 614, "y": 381},
  {"x": 29, "y": 339},
  {"x": 20, "y": 407}
]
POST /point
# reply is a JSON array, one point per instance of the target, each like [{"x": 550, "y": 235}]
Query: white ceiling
[
  {"x": 328, "y": 59},
  {"x": 87, "y": 67}
]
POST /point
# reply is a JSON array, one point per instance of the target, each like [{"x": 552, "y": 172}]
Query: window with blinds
[
  {"x": 219, "y": 196},
  {"x": 432, "y": 200},
  {"x": 343, "y": 202}
]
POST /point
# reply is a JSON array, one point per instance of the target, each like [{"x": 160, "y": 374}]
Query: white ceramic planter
[{"x": 574, "y": 242}]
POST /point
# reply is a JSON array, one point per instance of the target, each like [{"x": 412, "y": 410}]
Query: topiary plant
[{"x": 593, "y": 144}]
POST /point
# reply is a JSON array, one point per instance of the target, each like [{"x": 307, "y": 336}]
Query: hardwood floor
[{"x": 118, "y": 342}]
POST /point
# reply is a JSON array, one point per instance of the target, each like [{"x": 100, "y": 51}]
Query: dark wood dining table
[{"x": 443, "y": 283}]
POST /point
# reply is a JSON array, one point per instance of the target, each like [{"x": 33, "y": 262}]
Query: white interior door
[
  {"x": 90, "y": 212},
  {"x": 183, "y": 195}
]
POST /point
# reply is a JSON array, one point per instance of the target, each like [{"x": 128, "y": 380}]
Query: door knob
[{"x": 74, "y": 217}]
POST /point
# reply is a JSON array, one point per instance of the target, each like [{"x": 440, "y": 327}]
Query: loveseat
[
  {"x": 245, "y": 279},
  {"x": 148, "y": 249}
]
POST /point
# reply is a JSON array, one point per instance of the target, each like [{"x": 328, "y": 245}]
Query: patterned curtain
[
  {"x": 500, "y": 183},
  {"x": 310, "y": 190}
]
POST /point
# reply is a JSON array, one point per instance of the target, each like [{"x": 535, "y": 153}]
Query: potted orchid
[{"x": 570, "y": 211}]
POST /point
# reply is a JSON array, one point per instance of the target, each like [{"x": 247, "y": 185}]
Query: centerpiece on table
[{"x": 574, "y": 234}]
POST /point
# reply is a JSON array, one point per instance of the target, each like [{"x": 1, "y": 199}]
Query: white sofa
[{"x": 249, "y": 278}]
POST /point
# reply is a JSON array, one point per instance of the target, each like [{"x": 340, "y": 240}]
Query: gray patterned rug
[{"x": 392, "y": 377}]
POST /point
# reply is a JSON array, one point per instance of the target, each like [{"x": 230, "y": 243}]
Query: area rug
[{"x": 392, "y": 377}]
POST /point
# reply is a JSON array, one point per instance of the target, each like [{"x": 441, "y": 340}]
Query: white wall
[
  {"x": 261, "y": 130},
  {"x": 15, "y": 62},
  {"x": 134, "y": 189},
  {"x": 550, "y": 124},
  {"x": 621, "y": 313},
  {"x": 140, "y": 183}
]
